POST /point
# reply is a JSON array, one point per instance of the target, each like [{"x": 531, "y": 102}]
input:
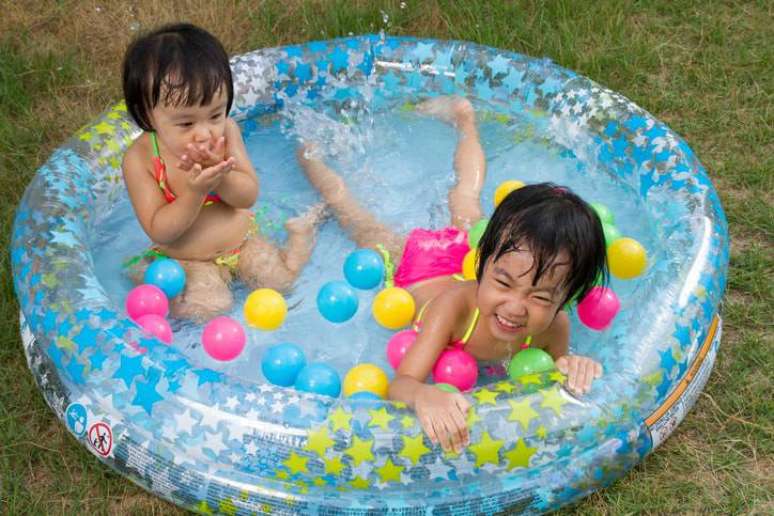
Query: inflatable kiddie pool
[{"x": 216, "y": 439}]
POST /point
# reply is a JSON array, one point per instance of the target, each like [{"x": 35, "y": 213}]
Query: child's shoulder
[
  {"x": 139, "y": 151},
  {"x": 455, "y": 304}
]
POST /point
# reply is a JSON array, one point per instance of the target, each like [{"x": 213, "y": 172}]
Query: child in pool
[
  {"x": 189, "y": 178},
  {"x": 543, "y": 246}
]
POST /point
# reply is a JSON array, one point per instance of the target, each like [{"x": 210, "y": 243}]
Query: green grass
[{"x": 703, "y": 67}]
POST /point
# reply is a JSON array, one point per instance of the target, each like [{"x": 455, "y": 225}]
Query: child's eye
[
  {"x": 544, "y": 299},
  {"x": 185, "y": 124},
  {"x": 215, "y": 117},
  {"x": 501, "y": 282}
]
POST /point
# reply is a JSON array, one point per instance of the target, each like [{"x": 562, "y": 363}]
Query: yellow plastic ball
[
  {"x": 265, "y": 309},
  {"x": 469, "y": 265},
  {"x": 368, "y": 378},
  {"x": 393, "y": 308},
  {"x": 504, "y": 189},
  {"x": 626, "y": 258}
]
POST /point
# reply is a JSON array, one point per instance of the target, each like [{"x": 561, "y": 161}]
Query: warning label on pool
[{"x": 101, "y": 438}]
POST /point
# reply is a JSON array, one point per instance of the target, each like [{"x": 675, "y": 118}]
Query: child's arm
[
  {"x": 580, "y": 371},
  {"x": 441, "y": 414},
  {"x": 240, "y": 187},
  {"x": 166, "y": 222}
]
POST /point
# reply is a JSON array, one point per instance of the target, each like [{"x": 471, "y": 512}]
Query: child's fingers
[
  {"x": 561, "y": 365},
  {"x": 427, "y": 426},
  {"x": 587, "y": 375},
  {"x": 572, "y": 374},
  {"x": 597, "y": 370}
]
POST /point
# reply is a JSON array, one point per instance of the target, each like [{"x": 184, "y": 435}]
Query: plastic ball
[
  {"x": 626, "y": 258},
  {"x": 530, "y": 361},
  {"x": 157, "y": 326},
  {"x": 337, "y": 301},
  {"x": 456, "y": 367},
  {"x": 611, "y": 233},
  {"x": 469, "y": 264},
  {"x": 504, "y": 189},
  {"x": 368, "y": 378},
  {"x": 598, "y": 308},
  {"x": 281, "y": 364},
  {"x": 167, "y": 274},
  {"x": 476, "y": 232},
  {"x": 398, "y": 346},
  {"x": 265, "y": 309},
  {"x": 146, "y": 299},
  {"x": 603, "y": 212},
  {"x": 364, "y": 269},
  {"x": 393, "y": 308},
  {"x": 319, "y": 378},
  {"x": 223, "y": 338},
  {"x": 447, "y": 387}
]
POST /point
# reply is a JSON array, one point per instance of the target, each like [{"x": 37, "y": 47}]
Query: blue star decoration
[
  {"x": 86, "y": 338},
  {"x": 668, "y": 361},
  {"x": 146, "y": 394},
  {"x": 97, "y": 359},
  {"x": 129, "y": 368},
  {"x": 339, "y": 59},
  {"x": 75, "y": 370},
  {"x": 208, "y": 376}
]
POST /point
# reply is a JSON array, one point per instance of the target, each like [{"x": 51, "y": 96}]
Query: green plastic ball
[
  {"x": 530, "y": 361},
  {"x": 611, "y": 233},
  {"x": 447, "y": 387}
]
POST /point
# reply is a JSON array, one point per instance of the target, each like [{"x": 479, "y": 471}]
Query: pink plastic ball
[
  {"x": 398, "y": 345},
  {"x": 598, "y": 308},
  {"x": 456, "y": 367},
  {"x": 146, "y": 299},
  {"x": 223, "y": 338},
  {"x": 157, "y": 326}
]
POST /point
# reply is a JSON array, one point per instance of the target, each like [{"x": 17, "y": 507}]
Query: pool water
[{"x": 399, "y": 164}]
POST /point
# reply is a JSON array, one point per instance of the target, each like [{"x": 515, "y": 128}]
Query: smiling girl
[{"x": 542, "y": 247}]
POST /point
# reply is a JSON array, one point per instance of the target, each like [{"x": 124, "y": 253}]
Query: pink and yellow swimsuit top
[
  {"x": 460, "y": 343},
  {"x": 160, "y": 174}
]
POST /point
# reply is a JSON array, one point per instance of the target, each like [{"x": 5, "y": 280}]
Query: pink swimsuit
[{"x": 431, "y": 253}]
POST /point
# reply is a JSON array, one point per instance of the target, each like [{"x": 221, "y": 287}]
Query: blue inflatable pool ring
[{"x": 216, "y": 442}]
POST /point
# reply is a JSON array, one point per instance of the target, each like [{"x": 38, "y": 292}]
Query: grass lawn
[{"x": 703, "y": 67}]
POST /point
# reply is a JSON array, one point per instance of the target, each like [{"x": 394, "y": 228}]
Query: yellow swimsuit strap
[{"x": 468, "y": 331}]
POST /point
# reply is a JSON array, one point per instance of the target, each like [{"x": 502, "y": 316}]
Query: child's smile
[{"x": 512, "y": 306}]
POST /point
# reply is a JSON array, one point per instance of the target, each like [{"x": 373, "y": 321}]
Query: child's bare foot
[
  {"x": 307, "y": 223},
  {"x": 450, "y": 109}
]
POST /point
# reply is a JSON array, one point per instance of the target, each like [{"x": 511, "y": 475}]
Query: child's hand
[
  {"x": 206, "y": 180},
  {"x": 204, "y": 154},
  {"x": 580, "y": 371},
  {"x": 443, "y": 417}
]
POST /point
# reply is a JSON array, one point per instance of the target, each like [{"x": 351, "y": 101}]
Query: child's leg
[
  {"x": 362, "y": 226},
  {"x": 206, "y": 294},
  {"x": 262, "y": 264},
  {"x": 469, "y": 161}
]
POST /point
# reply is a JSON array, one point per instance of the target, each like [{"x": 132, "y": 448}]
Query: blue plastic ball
[
  {"x": 281, "y": 364},
  {"x": 364, "y": 269},
  {"x": 337, "y": 301},
  {"x": 166, "y": 274},
  {"x": 319, "y": 378}
]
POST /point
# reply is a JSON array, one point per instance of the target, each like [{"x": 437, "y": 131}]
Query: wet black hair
[
  {"x": 548, "y": 219},
  {"x": 189, "y": 62}
]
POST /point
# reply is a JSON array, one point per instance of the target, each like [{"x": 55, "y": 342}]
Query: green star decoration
[
  {"x": 485, "y": 396},
  {"x": 296, "y": 463},
  {"x": 380, "y": 418},
  {"x": 553, "y": 399},
  {"x": 522, "y": 412},
  {"x": 389, "y": 472},
  {"x": 319, "y": 441},
  {"x": 360, "y": 451},
  {"x": 414, "y": 448},
  {"x": 519, "y": 456},
  {"x": 487, "y": 450}
]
